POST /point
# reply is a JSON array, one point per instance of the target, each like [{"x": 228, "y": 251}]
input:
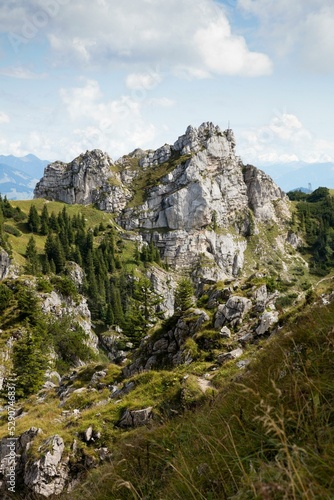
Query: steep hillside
[{"x": 174, "y": 345}]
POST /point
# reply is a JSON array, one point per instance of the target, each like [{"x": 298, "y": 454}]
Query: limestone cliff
[{"x": 195, "y": 199}]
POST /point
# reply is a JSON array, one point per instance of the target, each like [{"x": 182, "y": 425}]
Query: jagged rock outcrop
[
  {"x": 45, "y": 476},
  {"x": 195, "y": 198},
  {"x": 233, "y": 311},
  {"x": 169, "y": 348},
  {"x": 60, "y": 306},
  {"x": 88, "y": 179},
  {"x": 164, "y": 285},
  {"x": 267, "y": 320},
  {"x": 4, "y": 263},
  {"x": 48, "y": 475}
]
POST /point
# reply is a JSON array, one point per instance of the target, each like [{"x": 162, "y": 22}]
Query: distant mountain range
[
  {"x": 18, "y": 176},
  {"x": 291, "y": 175}
]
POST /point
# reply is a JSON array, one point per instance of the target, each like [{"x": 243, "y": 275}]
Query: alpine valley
[{"x": 166, "y": 330}]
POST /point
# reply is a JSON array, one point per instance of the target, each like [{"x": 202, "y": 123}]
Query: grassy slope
[
  {"x": 19, "y": 244},
  {"x": 267, "y": 434}
]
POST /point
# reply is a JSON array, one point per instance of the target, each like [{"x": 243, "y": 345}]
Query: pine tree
[
  {"x": 143, "y": 311},
  {"x": 33, "y": 219},
  {"x": 44, "y": 227},
  {"x": 29, "y": 364},
  {"x": 184, "y": 295},
  {"x": 109, "y": 319},
  {"x": 116, "y": 304},
  {"x": 7, "y": 208},
  {"x": 53, "y": 222},
  {"x": 58, "y": 255},
  {"x": 33, "y": 265}
]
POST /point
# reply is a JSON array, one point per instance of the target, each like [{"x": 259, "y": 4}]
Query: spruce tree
[
  {"x": 33, "y": 219},
  {"x": 33, "y": 265},
  {"x": 29, "y": 364},
  {"x": 184, "y": 295},
  {"x": 115, "y": 300},
  {"x": 44, "y": 226}
]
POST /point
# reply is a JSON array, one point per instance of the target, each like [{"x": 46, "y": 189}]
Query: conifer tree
[
  {"x": 115, "y": 300},
  {"x": 53, "y": 222},
  {"x": 44, "y": 221},
  {"x": 184, "y": 295},
  {"x": 33, "y": 219},
  {"x": 29, "y": 364},
  {"x": 109, "y": 319},
  {"x": 33, "y": 265}
]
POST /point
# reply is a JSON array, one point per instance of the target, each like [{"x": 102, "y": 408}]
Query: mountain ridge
[{"x": 195, "y": 199}]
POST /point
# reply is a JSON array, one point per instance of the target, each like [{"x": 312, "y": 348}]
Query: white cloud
[
  {"x": 21, "y": 73},
  {"x": 163, "y": 102},
  {"x": 4, "y": 118},
  {"x": 283, "y": 140},
  {"x": 302, "y": 27},
  {"x": 226, "y": 54},
  {"x": 145, "y": 81},
  {"x": 112, "y": 125},
  {"x": 192, "y": 35}
]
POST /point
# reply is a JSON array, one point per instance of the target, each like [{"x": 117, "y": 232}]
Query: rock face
[
  {"x": 169, "y": 349},
  {"x": 195, "y": 198},
  {"x": 59, "y": 306},
  {"x": 4, "y": 263},
  {"x": 48, "y": 476},
  {"x": 233, "y": 311},
  {"x": 87, "y": 179}
]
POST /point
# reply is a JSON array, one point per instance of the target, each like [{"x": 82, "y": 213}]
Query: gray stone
[
  {"x": 48, "y": 475},
  {"x": 225, "y": 332},
  {"x": 267, "y": 320},
  {"x": 4, "y": 263},
  {"x": 88, "y": 434},
  {"x": 261, "y": 297},
  {"x": 243, "y": 363},
  {"x": 136, "y": 418},
  {"x": 236, "y": 353},
  {"x": 233, "y": 311},
  {"x": 97, "y": 376}
]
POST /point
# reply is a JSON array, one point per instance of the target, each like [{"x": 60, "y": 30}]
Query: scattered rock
[
  {"x": 225, "y": 332},
  {"x": 267, "y": 320},
  {"x": 233, "y": 311},
  {"x": 88, "y": 434},
  {"x": 236, "y": 353},
  {"x": 97, "y": 376},
  {"x": 243, "y": 363},
  {"x": 136, "y": 418}
]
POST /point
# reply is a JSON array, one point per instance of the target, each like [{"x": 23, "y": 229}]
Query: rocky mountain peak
[
  {"x": 195, "y": 199},
  {"x": 207, "y": 136}
]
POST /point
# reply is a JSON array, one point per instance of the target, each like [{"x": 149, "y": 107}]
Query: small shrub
[
  {"x": 12, "y": 230},
  {"x": 43, "y": 285}
]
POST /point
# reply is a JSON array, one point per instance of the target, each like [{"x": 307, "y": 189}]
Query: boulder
[
  {"x": 233, "y": 311},
  {"x": 267, "y": 320},
  {"x": 225, "y": 332},
  {"x": 136, "y": 418},
  {"x": 236, "y": 353}
]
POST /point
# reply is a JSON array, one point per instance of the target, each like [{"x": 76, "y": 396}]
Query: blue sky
[{"x": 85, "y": 74}]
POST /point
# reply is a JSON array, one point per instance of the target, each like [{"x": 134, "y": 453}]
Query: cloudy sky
[{"x": 116, "y": 75}]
